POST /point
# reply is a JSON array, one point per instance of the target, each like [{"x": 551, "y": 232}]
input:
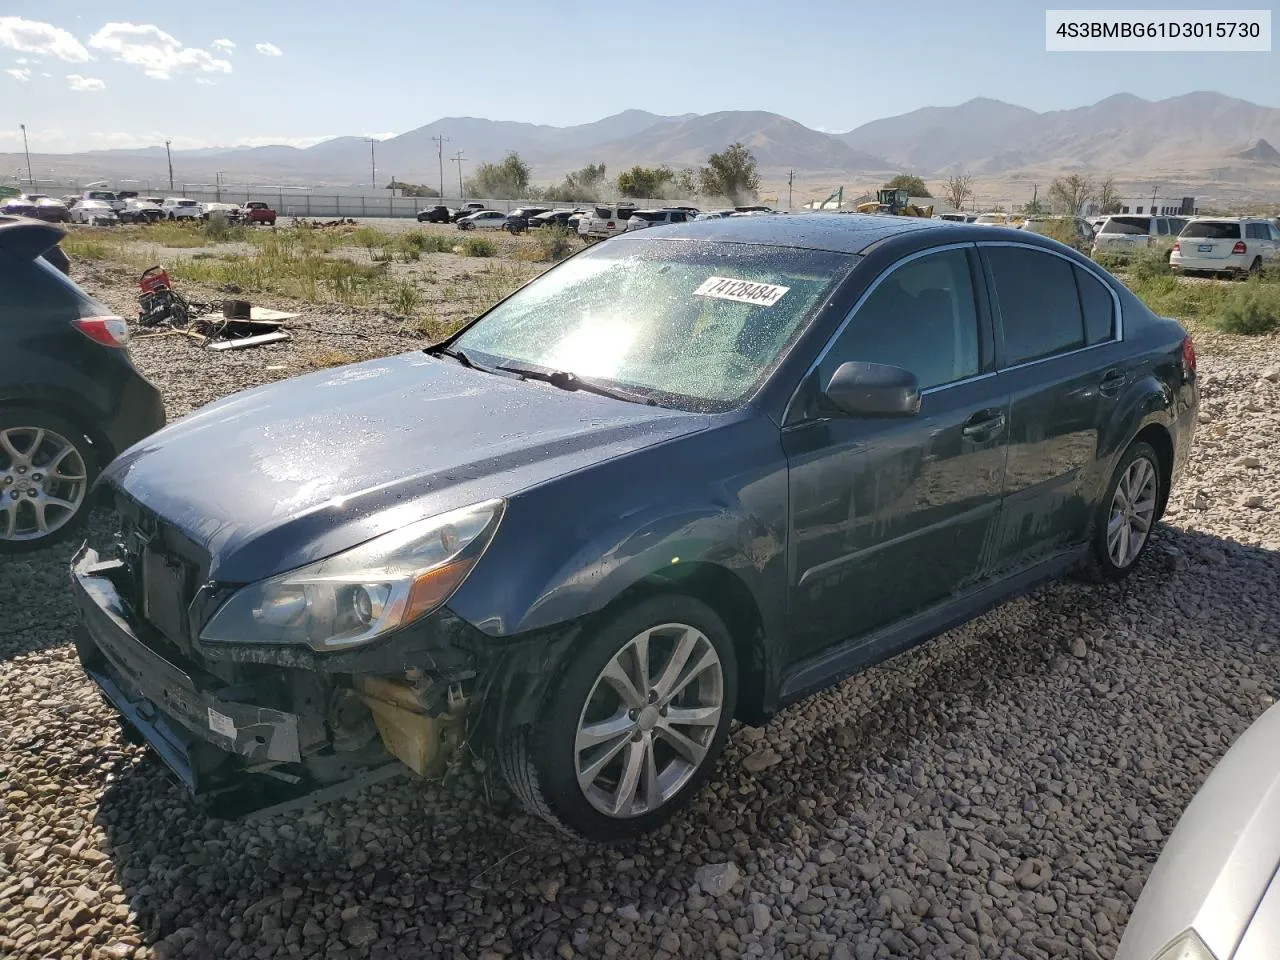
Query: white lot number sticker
[
  {"x": 221, "y": 723},
  {"x": 744, "y": 291}
]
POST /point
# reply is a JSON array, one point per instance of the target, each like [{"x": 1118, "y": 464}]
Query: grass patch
[
  {"x": 404, "y": 299},
  {"x": 479, "y": 247},
  {"x": 89, "y": 244}
]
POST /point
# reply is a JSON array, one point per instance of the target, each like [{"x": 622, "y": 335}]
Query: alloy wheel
[
  {"x": 649, "y": 720},
  {"x": 1133, "y": 511},
  {"x": 43, "y": 481}
]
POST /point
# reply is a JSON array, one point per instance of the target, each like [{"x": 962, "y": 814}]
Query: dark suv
[
  {"x": 688, "y": 475},
  {"x": 436, "y": 214},
  {"x": 70, "y": 399}
]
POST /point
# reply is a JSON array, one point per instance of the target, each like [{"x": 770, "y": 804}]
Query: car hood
[{"x": 278, "y": 476}]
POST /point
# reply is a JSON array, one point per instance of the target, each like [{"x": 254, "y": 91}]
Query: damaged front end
[{"x": 256, "y": 727}]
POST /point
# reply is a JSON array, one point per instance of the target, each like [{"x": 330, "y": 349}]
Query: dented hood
[{"x": 277, "y": 476}]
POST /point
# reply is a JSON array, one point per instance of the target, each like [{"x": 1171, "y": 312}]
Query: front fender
[{"x": 570, "y": 547}]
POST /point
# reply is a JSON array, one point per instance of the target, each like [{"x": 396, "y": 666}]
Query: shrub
[
  {"x": 218, "y": 229},
  {"x": 479, "y": 247},
  {"x": 1249, "y": 308},
  {"x": 550, "y": 244},
  {"x": 404, "y": 299},
  {"x": 1149, "y": 263}
]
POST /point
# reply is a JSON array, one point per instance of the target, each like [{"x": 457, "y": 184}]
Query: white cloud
[
  {"x": 22, "y": 74},
  {"x": 84, "y": 84},
  {"x": 268, "y": 49},
  {"x": 32, "y": 36},
  {"x": 223, "y": 44},
  {"x": 158, "y": 54}
]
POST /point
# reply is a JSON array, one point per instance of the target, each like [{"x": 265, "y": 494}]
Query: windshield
[
  {"x": 1130, "y": 226},
  {"x": 1212, "y": 230},
  {"x": 691, "y": 324}
]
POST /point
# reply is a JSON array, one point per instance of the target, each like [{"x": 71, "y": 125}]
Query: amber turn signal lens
[{"x": 432, "y": 588}]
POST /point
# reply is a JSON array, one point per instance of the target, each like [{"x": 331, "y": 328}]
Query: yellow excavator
[{"x": 895, "y": 203}]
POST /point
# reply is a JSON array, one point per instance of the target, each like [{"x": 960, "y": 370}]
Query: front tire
[
  {"x": 633, "y": 726},
  {"x": 1127, "y": 514},
  {"x": 47, "y": 466}
]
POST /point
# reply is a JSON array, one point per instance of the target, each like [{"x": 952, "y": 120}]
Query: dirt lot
[{"x": 1000, "y": 792}]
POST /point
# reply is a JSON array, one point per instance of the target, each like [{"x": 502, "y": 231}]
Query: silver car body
[{"x": 1217, "y": 873}]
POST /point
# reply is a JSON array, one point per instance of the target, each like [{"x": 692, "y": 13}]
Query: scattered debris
[
  {"x": 217, "y": 325},
  {"x": 323, "y": 224}
]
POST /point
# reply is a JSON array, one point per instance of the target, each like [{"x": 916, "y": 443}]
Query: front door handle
[
  {"x": 983, "y": 425},
  {"x": 1112, "y": 381}
]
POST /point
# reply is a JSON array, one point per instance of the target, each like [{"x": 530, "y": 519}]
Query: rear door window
[
  {"x": 1039, "y": 306},
  {"x": 1162, "y": 227},
  {"x": 1256, "y": 231}
]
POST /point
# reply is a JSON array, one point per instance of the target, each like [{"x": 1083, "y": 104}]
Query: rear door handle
[
  {"x": 1112, "y": 381},
  {"x": 983, "y": 425}
]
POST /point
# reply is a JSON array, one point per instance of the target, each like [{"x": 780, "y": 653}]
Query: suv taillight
[
  {"x": 1177, "y": 247},
  {"x": 1189, "y": 355},
  {"x": 1239, "y": 247},
  {"x": 108, "y": 331}
]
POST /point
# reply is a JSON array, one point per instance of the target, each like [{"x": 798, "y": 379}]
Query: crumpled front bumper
[{"x": 192, "y": 721}]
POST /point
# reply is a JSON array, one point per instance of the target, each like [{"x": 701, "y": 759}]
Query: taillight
[
  {"x": 108, "y": 331},
  {"x": 1189, "y": 355},
  {"x": 1177, "y": 247},
  {"x": 609, "y": 225},
  {"x": 1239, "y": 247}
]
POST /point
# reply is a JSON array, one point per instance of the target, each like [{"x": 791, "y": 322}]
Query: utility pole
[
  {"x": 30, "y": 179},
  {"x": 169, "y": 156},
  {"x": 1035, "y": 193},
  {"x": 790, "y": 179},
  {"x": 440, "y": 142},
  {"x": 217, "y": 186},
  {"x": 458, "y": 159},
  {"x": 373, "y": 164},
  {"x": 1155, "y": 188}
]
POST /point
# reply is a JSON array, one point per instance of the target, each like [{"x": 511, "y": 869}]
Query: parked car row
[{"x": 106, "y": 208}]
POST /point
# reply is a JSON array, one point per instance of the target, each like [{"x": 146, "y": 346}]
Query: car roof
[
  {"x": 27, "y": 238},
  {"x": 839, "y": 232}
]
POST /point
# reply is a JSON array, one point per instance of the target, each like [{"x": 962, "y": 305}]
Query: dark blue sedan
[{"x": 686, "y": 476}]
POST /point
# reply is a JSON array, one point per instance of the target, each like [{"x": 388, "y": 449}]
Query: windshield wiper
[
  {"x": 568, "y": 380},
  {"x": 467, "y": 360}
]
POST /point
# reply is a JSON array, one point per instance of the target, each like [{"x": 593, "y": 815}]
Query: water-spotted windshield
[{"x": 689, "y": 324}]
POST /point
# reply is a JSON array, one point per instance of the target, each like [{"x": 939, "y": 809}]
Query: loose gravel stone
[{"x": 991, "y": 793}]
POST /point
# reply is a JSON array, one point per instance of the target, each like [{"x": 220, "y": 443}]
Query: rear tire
[
  {"x": 1126, "y": 515},
  {"x": 603, "y": 764},
  {"x": 35, "y": 485},
  {"x": 1255, "y": 268}
]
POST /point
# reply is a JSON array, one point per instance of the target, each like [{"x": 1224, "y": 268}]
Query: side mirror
[{"x": 874, "y": 390}]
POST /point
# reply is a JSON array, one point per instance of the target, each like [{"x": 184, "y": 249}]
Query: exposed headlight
[
  {"x": 1186, "y": 946},
  {"x": 363, "y": 592}
]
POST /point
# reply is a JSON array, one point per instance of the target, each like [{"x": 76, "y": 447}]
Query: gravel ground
[{"x": 1000, "y": 792}]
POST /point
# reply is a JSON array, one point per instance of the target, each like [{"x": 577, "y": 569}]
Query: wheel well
[
  {"x": 1160, "y": 441},
  {"x": 725, "y": 593},
  {"x": 67, "y": 412}
]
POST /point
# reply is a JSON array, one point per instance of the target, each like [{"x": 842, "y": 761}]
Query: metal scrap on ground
[{"x": 218, "y": 325}]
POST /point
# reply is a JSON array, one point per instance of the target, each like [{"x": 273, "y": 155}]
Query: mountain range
[{"x": 1197, "y": 135}]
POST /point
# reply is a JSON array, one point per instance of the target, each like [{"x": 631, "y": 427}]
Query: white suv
[
  {"x": 605, "y": 222},
  {"x": 180, "y": 208},
  {"x": 656, "y": 218},
  {"x": 1236, "y": 245},
  {"x": 1125, "y": 235}
]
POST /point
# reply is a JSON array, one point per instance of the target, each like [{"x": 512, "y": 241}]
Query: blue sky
[{"x": 123, "y": 73}]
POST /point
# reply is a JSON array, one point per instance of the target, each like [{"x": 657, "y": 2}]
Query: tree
[
  {"x": 1071, "y": 193},
  {"x": 413, "y": 189},
  {"x": 644, "y": 181},
  {"x": 909, "y": 182},
  {"x": 1108, "y": 196},
  {"x": 956, "y": 189},
  {"x": 686, "y": 182},
  {"x": 1033, "y": 207},
  {"x": 730, "y": 173},
  {"x": 507, "y": 180},
  {"x": 586, "y": 183}
]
